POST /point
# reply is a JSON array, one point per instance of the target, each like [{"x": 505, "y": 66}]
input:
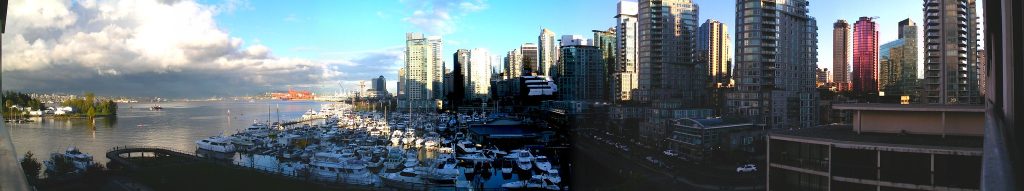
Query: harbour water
[{"x": 178, "y": 125}]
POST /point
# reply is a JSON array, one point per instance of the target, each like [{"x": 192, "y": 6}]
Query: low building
[
  {"x": 698, "y": 139},
  {"x": 883, "y": 147},
  {"x": 506, "y": 133}
]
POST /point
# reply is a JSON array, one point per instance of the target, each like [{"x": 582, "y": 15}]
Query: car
[
  {"x": 671, "y": 153},
  {"x": 746, "y": 168}
]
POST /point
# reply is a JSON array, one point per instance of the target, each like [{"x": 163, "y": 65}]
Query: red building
[
  {"x": 865, "y": 56},
  {"x": 293, "y": 95}
]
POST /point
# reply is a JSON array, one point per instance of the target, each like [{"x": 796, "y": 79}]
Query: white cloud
[
  {"x": 154, "y": 45},
  {"x": 440, "y": 17}
]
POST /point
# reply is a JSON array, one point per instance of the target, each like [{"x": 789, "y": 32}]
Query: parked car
[
  {"x": 746, "y": 168},
  {"x": 670, "y": 153}
]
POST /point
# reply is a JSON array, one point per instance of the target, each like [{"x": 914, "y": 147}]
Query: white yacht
[
  {"x": 523, "y": 159},
  {"x": 79, "y": 161},
  {"x": 394, "y": 158},
  {"x": 507, "y": 166},
  {"x": 537, "y": 183},
  {"x": 216, "y": 144},
  {"x": 331, "y": 166},
  {"x": 476, "y": 157},
  {"x": 542, "y": 163},
  {"x": 466, "y": 146},
  {"x": 406, "y": 177}
]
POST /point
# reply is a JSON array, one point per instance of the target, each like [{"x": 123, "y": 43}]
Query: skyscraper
[
  {"x": 605, "y": 40},
  {"x": 514, "y": 63},
  {"x": 547, "y": 53},
  {"x": 423, "y": 69},
  {"x": 584, "y": 75},
  {"x": 529, "y": 52},
  {"x": 775, "y": 64},
  {"x": 459, "y": 71},
  {"x": 841, "y": 54},
  {"x": 713, "y": 49},
  {"x": 950, "y": 58},
  {"x": 865, "y": 56},
  {"x": 626, "y": 50},
  {"x": 379, "y": 84},
  {"x": 478, "y": 74},
  {"x": 897, "y": 65},
  {"x": 668, "y": 72}
]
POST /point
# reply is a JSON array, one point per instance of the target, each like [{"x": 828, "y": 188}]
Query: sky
[{"x": 201, "y": 48}]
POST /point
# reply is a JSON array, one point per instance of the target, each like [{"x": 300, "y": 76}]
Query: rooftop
[
  {"x": 844, "y": 133},
  {"x": 910, "y": 107}
]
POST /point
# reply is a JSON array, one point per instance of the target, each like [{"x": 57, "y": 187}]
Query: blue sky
[
  {"x": 194, "y": 48},
  {"x": 329, "y": 29}
]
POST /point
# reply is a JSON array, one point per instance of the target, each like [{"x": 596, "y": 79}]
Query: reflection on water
[{"x": 177, "y": 126}]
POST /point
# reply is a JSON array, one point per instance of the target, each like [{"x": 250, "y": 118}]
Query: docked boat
[
  {"x": 507, "y": 166},
  {"x": 407, "y": 178},
  {"x": 78, "y": 160},
  {"x": 542, "y": 163},
  {"x": 332, "y": 166},
  {"x": 156, "y": 108},
  {"x": 216, "y": 144},
  {"x": 476, "y": 157},
  {"x": 523, "y": 159},
  {"x": 551, "y": 175}
]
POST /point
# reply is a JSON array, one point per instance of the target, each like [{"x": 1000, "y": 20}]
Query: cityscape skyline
[{"x": 339, "y": 62}]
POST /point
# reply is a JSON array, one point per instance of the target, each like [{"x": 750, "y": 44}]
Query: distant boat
[{"x": 156, "y": 108}]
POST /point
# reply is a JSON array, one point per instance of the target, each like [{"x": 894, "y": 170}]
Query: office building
[
  {"x": 822, "y": 77},
  {"x": 775, "y": 88},
  {"x": 714, "y": 50},
  {"x": 897, "y": 65},
  {"x": 950, "y": 52},
  {"x": 530, "y": 58},
  {"x": 513, "y": 64},
  {"x": 478, "y": 75},
  {"x": 460, "y": 63},
  {"x": 584, "y": 73},
  {"x": 865, "y": 57}
]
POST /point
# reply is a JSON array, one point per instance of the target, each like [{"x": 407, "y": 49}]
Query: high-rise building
[
  {"x": 478, "y": 74},
  {"x": 423, "y": 69},
  {"x": 584, "y": 75},
  {"x": 513, "y": 64},
  {"x": 897, "y": 65},
  {"x": 460, "y": 70},
  {"x": 775, "y": 62},
  {"x": 530, "y": 59},
  {"x": 547, "y": 53},
  {"x": 379, "y": 86},
  {"x": 605, "y": 40},
  {"x": 401, "y": 82},
  {"x": 626, "y": 50},
  {"x": 865, "y": 56},
  {"x": 950, "y": 55},
  {"x": 668, "y": 72},
  {"x": 841, "y": 54},
  {"x": 822, "y": 78},
  {"x": 713, "y": 49},
  {"x": 982, "y": 72}
]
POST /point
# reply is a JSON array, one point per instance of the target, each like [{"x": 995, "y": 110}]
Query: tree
[
  {"x": 31, "y": 166},
  {"x": 92, "y": 112},
  {"x": 61, "y": 166}
]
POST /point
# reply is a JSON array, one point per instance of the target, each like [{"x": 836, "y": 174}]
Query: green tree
[
  {"x": 61, "y": 166},
  {"x": 91, "y": 113},
  {"x": 31, "y": 166}
]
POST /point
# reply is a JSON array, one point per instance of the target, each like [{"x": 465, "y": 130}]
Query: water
[{"x": 177, "y": 126}]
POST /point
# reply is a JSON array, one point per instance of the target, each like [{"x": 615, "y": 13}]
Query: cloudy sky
[{"x": 188, "y": 48}]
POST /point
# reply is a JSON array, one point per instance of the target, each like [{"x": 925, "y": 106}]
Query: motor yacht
[{"x": 216, "y": 144}]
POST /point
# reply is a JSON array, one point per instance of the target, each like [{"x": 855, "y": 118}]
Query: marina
[{"x": 385, "y": 150}]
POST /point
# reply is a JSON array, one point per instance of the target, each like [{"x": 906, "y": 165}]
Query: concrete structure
[
  {"x": 513, "y": 64},
  {"x": 950, "y": 60},
  {"x": 654, "y": 124},
  {"x": 822, "y": 78},
  {"x": 699, "y": 139},
  {"x": 626, "y": 50},
  {"x": 865, "y": 56},
  {"x": 584, "y": 74},
  {"x": 841, "y": 54},
  {"x": 478, "y": 74},
  {"x": 668, "y": 76},
  {"x": 775, "y": 88},
  {"x": 547, "y": 53},
  {"x": 424, "y": 72},
  {"x": 889, "y": 147}
]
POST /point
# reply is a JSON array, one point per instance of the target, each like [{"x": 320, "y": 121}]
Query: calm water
[{"x": 177, "y": 126}]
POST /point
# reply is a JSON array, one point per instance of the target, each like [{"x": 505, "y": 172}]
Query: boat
[
  {"x": 156, "y": 108},
  {"x": 466, "y": 146},
  {"x": 216, "y": 144},
  {"x": 411, "y": 160},
  {"x": 394, "y": 158},
  {"x": 407, "y": 178},
  {"x": 523, "y": 159},
  {"x": 507, "y": 166},
  {"x": 446, "y": 172},
  {"x": 514, "y": 185},
  {"x": 537, "y": 183},
  {"x": 333, "y": 166},
  {"x": 476, "y": 157},
  {"x": 542, "y": 163},
  {"x": 551, "y": 175},
  {"x": 78, "y": 160}
]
